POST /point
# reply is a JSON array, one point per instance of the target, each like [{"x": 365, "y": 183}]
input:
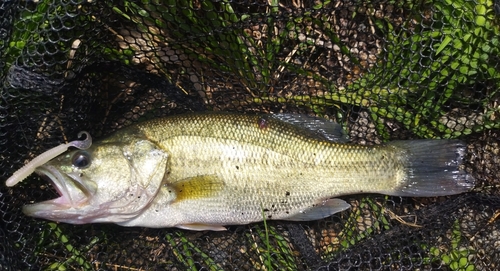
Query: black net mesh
[{"x": 383, "y": 69}]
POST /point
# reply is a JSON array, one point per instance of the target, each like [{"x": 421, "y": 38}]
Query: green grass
[
  {"x": 461, "y": 49},
  {"x": 26, "y": 31},
  {"x": 421, "y": 78},
  {"x": 266, "y": 241},
  {"x": 183, "y": 250},
  {"x": 43, "y": 29},
  {"x": 53, "y": 237},
  {"x": 272, "y": 250},
  {"x": 217, "y": 40},
  {"x": 456, "y": 256},
  {"x": 364, "y": 221},
  {"x": 417, "y": 84}
]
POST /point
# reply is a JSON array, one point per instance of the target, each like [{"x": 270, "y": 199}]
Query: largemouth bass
[{"x": 205, "y": 171}]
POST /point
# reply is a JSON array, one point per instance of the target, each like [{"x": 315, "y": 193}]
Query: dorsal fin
[{"x": 317, "y": 127}]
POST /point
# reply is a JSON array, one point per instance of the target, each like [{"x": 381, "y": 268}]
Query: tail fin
[{"x": 433, "y": 168}]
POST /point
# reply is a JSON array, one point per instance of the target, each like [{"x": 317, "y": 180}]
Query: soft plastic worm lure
[{"x": 43, "y": 158}]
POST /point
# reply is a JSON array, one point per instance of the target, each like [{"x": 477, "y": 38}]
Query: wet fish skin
[{"x": 204, "y": 171}]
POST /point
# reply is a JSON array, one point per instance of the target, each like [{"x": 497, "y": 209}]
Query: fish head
[{"x": 109, "y": 182}]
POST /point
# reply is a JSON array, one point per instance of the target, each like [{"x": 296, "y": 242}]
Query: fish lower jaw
[
  {"x": 70, "y": 196},
  {"x": 60, "y": 209},
  {"x": 47, "y": 209},
  {"x": 61, "y": 203}
]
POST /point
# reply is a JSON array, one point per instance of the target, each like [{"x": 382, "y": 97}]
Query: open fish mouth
[{"x": 72, "y": 193}]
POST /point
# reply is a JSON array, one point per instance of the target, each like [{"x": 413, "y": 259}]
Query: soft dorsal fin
[{"x": 318, "y": 127}]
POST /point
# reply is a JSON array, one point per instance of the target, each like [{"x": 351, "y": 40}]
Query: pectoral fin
[
  {"x": 201, "y": 227},
  {"x": 320, "y": 210},
  {"x": 196, "y": 187}
]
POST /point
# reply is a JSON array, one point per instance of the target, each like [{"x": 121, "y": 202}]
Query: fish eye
[{"x": 81, "y": 159}]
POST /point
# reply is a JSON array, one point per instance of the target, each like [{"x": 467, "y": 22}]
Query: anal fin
[{"x": 320, "y": 210}]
